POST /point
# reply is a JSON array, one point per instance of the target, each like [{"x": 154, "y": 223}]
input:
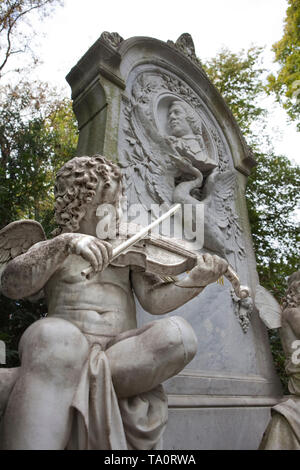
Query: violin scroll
[{"x": 240, "y": 291}]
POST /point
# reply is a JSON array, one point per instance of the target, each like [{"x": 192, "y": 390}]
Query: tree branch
[{"x": 12, "y": 25}]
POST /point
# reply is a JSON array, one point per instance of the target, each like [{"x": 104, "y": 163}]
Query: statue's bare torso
[{"x": 102, "y": 305}]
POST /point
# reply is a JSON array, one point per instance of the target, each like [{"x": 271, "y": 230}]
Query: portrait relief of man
[{"x": 185, "y": 135}]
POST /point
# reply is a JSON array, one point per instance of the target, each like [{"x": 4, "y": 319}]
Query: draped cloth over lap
[
  {"x": 283, "y": 432},
  {"x": 103, "y": 422}
]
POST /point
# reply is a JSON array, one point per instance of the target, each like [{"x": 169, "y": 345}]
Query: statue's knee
[
  {"x": 187, "y": 337},
  {"x": 53, "y": 344}
]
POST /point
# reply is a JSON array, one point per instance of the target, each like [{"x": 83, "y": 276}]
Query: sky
[{"x": 235, "y": 24}]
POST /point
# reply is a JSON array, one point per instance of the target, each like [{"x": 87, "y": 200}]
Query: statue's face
[
  {"x": 110, "y": 195},
  {"x": 177, "y": 121},
  {"x": 104, "y": 197}
]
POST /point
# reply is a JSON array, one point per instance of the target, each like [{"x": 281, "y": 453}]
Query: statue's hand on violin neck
[{"x": 208, "y": 270}]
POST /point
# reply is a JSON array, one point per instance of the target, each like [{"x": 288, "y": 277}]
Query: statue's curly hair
[
  {"x": 75, "y": 187},
  {"x": 292, "y": 296}
]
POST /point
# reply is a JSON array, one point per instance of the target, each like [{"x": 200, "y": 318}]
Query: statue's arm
[
  {"x": 159, "y": 297},
  {"x": 27, "y": 274}
]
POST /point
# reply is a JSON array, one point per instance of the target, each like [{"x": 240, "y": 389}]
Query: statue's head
[
  {"x": 81, "y": 183},
  {"x": 292, "y": 297},
  {"x": 182, "y": 120}
]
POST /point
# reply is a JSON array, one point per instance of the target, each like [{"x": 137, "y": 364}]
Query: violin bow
[
  {"x": 241, "y": 291},
  {"x": 135, "y": 238}
]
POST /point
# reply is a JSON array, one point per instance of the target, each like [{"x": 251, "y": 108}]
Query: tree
[
  {"x": 14, "y": 37},
  {"x": 286, "y": 83},
  {"x": 273, "y": 187},
  {"x": 38, "y": 134},
  {"x": 272, "y": 197},
  {"x": 238, "y": 79}
]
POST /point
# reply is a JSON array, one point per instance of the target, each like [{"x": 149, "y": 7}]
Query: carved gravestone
[{"x": 150, "y": 106}]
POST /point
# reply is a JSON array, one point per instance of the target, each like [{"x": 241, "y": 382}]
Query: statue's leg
[
  {"x": 8, "y": 379},
  {"x": 146, "y": 357},
  {"x": 38, "y": 415}
]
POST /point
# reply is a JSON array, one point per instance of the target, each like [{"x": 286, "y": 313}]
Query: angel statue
[
  {"x": 283, "y": 431},
  {"x": 89, "y": 378}
]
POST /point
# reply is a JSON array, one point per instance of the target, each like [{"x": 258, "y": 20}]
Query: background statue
[
  {"x": 89, "y": 378},
  {"x": 283, "y": 431}
]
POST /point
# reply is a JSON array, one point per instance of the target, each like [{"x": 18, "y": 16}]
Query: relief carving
[
  {"x": 172, "y": 151},
  {"x": 243, "y": 309},
  {"x": 185, "y": 45},
  {"x": 113, "y": 39}
]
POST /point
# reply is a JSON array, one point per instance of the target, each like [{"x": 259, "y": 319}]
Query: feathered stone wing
[
  {"x": 224, "y": 196},
  {"x": 16, "y": 238}
]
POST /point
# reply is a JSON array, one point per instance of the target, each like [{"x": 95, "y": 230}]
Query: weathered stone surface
[
  {"x": 210, "y": 428},
  {"x": 138, "y": 83},
  {"x": 283, "y": 431},
  {"x": 268, "y": 308}
]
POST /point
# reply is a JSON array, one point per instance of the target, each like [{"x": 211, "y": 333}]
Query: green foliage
[
  {"x": 278, "y": 358},
  {"x": 38, "y": 134},
  {"x": 272, "y": 197},
  {"x": 15, "y": 317},
  {"x": 286, "y": 83},
  {"x": 238, "y": 78}
]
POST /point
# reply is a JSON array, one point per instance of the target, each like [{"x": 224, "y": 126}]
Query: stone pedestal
[{"x": 123, "y": 92}]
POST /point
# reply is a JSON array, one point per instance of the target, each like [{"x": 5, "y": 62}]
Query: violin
[{"x": 160, "y": 255}]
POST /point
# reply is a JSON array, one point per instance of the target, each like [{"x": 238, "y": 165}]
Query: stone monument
[{"x": 149, "y": 106}]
